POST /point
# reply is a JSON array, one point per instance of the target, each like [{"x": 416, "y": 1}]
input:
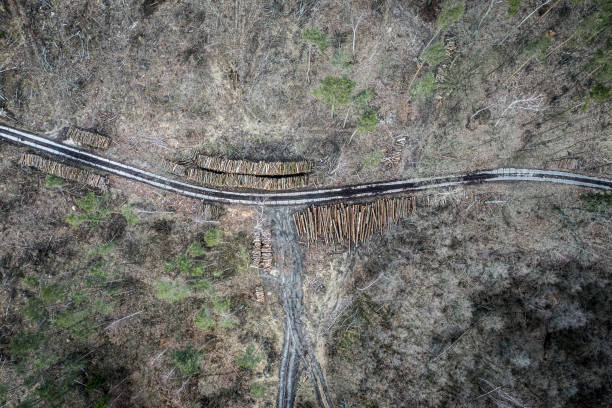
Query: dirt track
[
  {"x": 296, "y": 197},
  {"x": 297, "y": 354}
]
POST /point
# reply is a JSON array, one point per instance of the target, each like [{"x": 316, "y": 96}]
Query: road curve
[{"x": 294, "y": 197}]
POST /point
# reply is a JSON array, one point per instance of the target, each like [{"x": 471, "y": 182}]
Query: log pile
[
  {"x": 394, "y": 158},
  {"x": 262, "y": 250},
  {"x": 352, "y": 223},
  {"x": 261, "y": 168},
  {"x": 246, "y": 181},
  {"x": 64, "y": 171},
  {"x": 259, "y": 294},
  {"x": 87, "y": 138}
]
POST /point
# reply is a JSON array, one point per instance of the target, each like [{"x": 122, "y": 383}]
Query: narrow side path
[{"x": 297, "y": 354}]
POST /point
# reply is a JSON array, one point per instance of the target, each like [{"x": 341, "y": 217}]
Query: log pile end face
[{"x": 350, "y": 224}]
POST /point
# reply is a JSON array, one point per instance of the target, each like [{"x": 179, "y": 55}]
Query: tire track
[{"x": 297, "y": 353}]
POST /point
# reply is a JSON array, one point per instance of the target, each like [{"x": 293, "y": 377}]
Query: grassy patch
[
  {"x": 249, "y": 359},
  {"x": 372, "y": 160},
  {"x": 128, "y": 213},
  {"x": 513, "y": 7},
  {"x": 258, "y": 390},
  {"x": 434, "y": 54},
  {"x": 93, "y": 211},
  {"x": 171, "y": 292},
  {"x": 425, "y": 86},
  {"x": 52, "y": 181},
  {"x": 451, "y": 11},
  {"x": 212, "y": 238}
]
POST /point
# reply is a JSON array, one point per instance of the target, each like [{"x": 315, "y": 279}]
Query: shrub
[
  {"x": 52, "y": 293},
  {"x": 316, "y": 37},
  {"x": 201, "y": 285},
  {"x": 98, "y": 274},
  {"x": 171, "y": 291},
  {"x": 228, "y": 322},
  {"x": 258, "y": 390},
  {"x": 93, "y": 210},
  {"x": 601, "y": 63},
  {"x": 52, "y": 181},
  {"x": 539, "y": 47},
  {"x": 187, "y": 360},
  {"x": 130, "y": 217},
  {"x": 335, "y": 92},
  {"x": 102, "y": 402},
  {"x": 342, "y": 59},
  {"x": 31, "y": 281},
  {"x": 212, "y": 237},
  {"x": 451, "y": 11},
  {"x": 198, "y": 270},
  {"x": 35, "y": 310},
  {"x": 103, "y": 307},
  {"x": 184, "y": 264},
  {"x": 424, "y": 86},
  {"x": 221, "y": 307},
  {"x": 366, "y": 122},
  {"x": 203, "y": 320},
  {"x": 599, "y": 93},
  {"x": 249, "y": 359},
  {"x": 24, "y": 343},
  {"x": 434, "y": 54},
  {"x": 102, "y": 249},
  {"x": 363, "y": 97},
  {"x": 70, "y": 318},
  {"x": 597, "y": 201},
  {"x": 195, "y": 249},
  {"x": 3, "y": 392}
]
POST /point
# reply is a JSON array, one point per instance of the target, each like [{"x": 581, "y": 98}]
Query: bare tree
[{"x": 355, "y": 21}]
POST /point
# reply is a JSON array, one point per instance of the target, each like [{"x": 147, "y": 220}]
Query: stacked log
[
  {"x": 396, "y": 154},
  {"x": 64, "y": 171},
  {"x": 261, "y": 256},
  {"x": 87, "y": 138},
  {"x": 246, "y": 181},
  {"x": 352, "y": 223},
  {"x": 259, "y": 294},
  {"x": 261, "y": 168},
  {"x": 256, "y": 252},
  {"x": 266, "y": 250}
]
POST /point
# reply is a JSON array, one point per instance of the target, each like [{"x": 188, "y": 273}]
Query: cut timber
[
  {"x": 87, "y": 138},
  {"x": 259, "y": 294},
  {"x": 253, "y": 168},
  {"x": 64, "y": 171},
  {"x": 350, "y": 224},
  {"x": 246, "y": 181},
  {"x": 261, "y": 255}
]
